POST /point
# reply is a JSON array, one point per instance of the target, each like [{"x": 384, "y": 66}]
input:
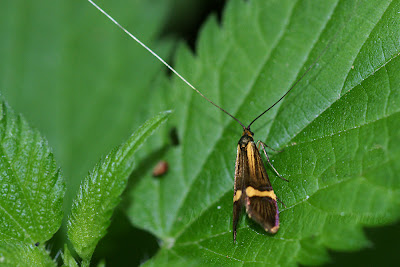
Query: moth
[{"x": 252, "y": 188}]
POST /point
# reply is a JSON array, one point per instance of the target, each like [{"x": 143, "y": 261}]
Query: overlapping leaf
[
  {"x": 31, "y": 189},
  {"x": 100, "y": 192},
  {"x": 31, "y": 186}
]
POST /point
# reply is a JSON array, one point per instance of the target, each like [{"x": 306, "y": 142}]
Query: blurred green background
[{"x": 62, "y": 63}]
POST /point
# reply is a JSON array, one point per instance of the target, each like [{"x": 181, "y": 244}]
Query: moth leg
[
  {"x": 266, "y": 155},
  {"x": 258, "y": 144},
  {"x": 281, "y": 202}
]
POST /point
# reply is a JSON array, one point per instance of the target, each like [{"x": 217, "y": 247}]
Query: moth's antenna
[
  {"x": 294, "y": 85},
  {"x": 162, "y": 61}
]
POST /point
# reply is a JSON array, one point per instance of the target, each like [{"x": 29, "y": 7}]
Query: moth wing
[
  {"x": 260, "y": 199},
  {"x": 238, "y": 195}
]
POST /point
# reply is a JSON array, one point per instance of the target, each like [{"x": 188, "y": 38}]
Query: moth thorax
[{"x": 245, "y": 139}]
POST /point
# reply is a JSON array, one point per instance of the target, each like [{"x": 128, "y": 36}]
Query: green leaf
[
  {"x": 75, "y": 76},
  {"x": 100, "y": 192},
  {"x": 58, "y": 73},
  {"x": 68, "y": 259},
  {"x": 31, "y": 185},
  {"x": 21, "y": 255},
  {"x": 338, "y": 129}
]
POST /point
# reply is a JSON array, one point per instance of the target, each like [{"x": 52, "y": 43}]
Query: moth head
[{"x": 247, "y": 131}]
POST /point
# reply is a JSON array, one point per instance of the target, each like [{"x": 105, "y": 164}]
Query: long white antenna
[{"x": 162, "y": 60}]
